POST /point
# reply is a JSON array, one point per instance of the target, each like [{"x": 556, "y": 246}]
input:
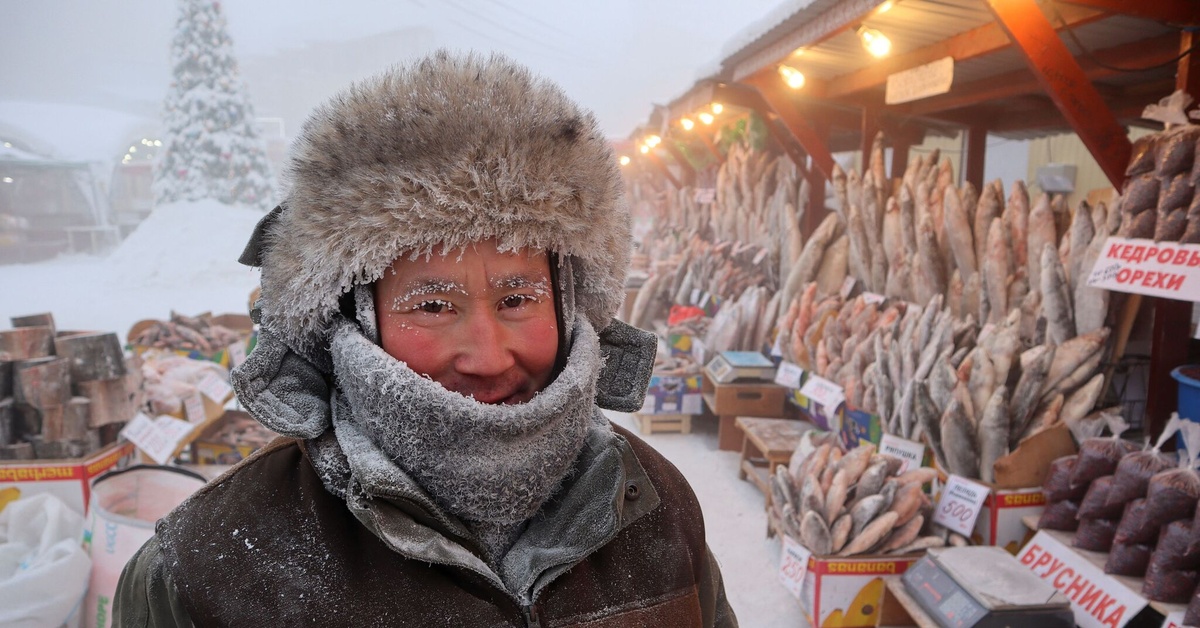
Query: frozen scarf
[{"x": 491, "y": 466}]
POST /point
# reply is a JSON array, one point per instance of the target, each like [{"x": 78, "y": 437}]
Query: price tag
[
  {"x": 789, "y": 375},
  {"x": 237, "y": 353},
  {"x": 699, "y": 350},
  {"x": 695, "y": 296},
  {"x": 959, "y": 505},
  {"x": 157, "y": 438},
  {"x": 873, "y": 298},
  {"x": 692, "y": 404},
  {"x": 826, "y": 393},
  {"x": 214, "y": 387},
  {"x": 777, "y": 348},
  {"x": 911, "y": 453},
  {"x": 193, "y": 408},
  {"x": 793, "y": 565}
]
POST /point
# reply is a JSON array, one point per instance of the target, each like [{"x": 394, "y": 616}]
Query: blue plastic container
[{"x": 1188, "y": 377}]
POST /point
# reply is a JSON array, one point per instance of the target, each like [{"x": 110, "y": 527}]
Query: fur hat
[{"x": 448, "y": 150}]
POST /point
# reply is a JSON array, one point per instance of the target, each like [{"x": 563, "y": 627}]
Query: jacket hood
[{"x": 448, "y": 150}]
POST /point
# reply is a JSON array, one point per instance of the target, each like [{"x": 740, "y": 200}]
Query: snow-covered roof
[
  {"x": 759, "y": 28},
  {"x": 71, "y": 132}
]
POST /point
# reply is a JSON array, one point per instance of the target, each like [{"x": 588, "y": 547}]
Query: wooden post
[
  {"x": 976, "y": 153},
  {"x": 900, "y": 150},
  {"x": 1171, "y": 318},
  {"x": 687, "y": 172},
  {"x": 712, "y": 148},
  {"x": 7, "y": 416},
  {"x": 1066, "y": 84},
  {"x": 662, "y": 168}
]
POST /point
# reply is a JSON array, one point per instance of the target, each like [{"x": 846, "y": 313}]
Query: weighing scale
[{"x": 984, "y": 587}]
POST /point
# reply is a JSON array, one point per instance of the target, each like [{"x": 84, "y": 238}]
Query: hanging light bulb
[
  {"x": 645, "y": 149},
  {"x": 686, "y": 123},
  {"x": 791, "y": 76},
  {"x": 706, "y": 117},
  {"x": 653, "y": 141},
  {"x": 717, "y": 108},
  {"x": 886, "y": 6},
  {"x": 874, "y": 41},
  {"x": 624, "y": 160}
]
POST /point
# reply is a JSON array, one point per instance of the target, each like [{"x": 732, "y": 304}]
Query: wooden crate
[{"x": 659, "y": 423}]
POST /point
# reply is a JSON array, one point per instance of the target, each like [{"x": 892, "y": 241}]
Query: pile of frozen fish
[{"x": 846, "y": 503}]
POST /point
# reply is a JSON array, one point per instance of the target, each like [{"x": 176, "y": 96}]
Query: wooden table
[{"x": 768, "y": 443}]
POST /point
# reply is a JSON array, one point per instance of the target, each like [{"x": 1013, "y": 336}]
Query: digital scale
[{"x": 984, "y": 587}]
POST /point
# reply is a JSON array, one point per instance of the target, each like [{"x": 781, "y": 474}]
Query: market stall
[{"x": 914, "y": 309}]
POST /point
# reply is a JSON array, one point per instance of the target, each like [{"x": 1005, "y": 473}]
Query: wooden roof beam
[
  {"x": 976, "y": 42},
  {"x": 779, "y": 103},
  {"x": 1180, "y": 12},
  {"x": 1142, "y": 53},
  {"x": 1067, "y": 85},
  {"x": 662, "y": 168},
  {"x": 685, "y": 168}
]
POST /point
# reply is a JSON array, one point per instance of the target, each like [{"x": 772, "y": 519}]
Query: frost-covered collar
[{"x": 481, "y": 462}]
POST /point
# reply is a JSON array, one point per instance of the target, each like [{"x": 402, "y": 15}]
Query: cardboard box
[
  {"x": 847, "y": 591},
  {"x": 668, "y": 394},
  {"x": 680, "y": 344},
  {"x": 860, "y": 427},
  {"x": 999, "y": 521},
  {"x": 764, "y": 399},
  {"x": 209, "y": 448},
  {"x": 240, "y": 323},
  {"x": 68, "y": 480},
  {"x": 824, "y": 418}
]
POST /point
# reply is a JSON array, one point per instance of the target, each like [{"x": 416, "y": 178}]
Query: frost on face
[
  {"x": 540, "y": 286},
  {"x": 425, "y": 288}
]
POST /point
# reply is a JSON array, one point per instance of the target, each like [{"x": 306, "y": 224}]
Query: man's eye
[
  {"x": 517, "y": 300},
  {"x": 435, "y": 306}
]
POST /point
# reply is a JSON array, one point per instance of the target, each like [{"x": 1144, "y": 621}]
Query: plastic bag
[
  {"x": 1060, "y": 516},
  {"x": 1141, "y": 159},
  {"x": 1128, "y": 560},
  {"x": 1192, "y": 616},
  {"x": 1175, "y": 150},
  {"x": 1099, "y": 456},
  {"x": 1134, "y": 527},
  {"x": 1094, "y": 505},
  {"x": 1095, "y": 534},
  {"x": 1057, "y": 486},
  {"x": 1172, "y": 587},
  {"x": 1171, "y": 552},
  {"x": 43, "y": 567},
  {"x": 1135, "y": 470}
]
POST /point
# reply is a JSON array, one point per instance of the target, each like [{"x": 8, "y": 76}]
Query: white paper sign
[
  {"x": 823, "y": 391},
  {"x": 1097, "y": 599},
  {"x": 920, "y": 82},
  {"x": 1162, "y": 269},
  {"x": 692, "y": 404},
  {"x": 157, "y": 438},
  {"x": 793, "y": 565},
  {"x": 1174, "y": 620},
  {"x": 959, "y": 505},
  {"x": 193, "y": 408},
  {"x": 720, "y": 369},
  {"x": 214, "y": 387},
  {"x": 789, "y": 375},
  {"x": 777, "y": 348},
  {"x": 699, "y": 350},
  {"x": 906, "y": 450},
  {"x": 873, "y": 298},
  {"x": 237, "y": 353}
]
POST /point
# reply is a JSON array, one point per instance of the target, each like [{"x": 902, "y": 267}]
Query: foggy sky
[{"x": 616, "y": 57}]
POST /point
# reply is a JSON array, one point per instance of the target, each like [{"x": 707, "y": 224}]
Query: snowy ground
[{"x": 184, "y": 258}]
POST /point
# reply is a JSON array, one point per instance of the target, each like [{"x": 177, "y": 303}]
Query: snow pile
[{"x": 186, "y": 243}]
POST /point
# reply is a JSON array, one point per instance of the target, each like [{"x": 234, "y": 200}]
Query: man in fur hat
[{"x": 437, "y": 340}]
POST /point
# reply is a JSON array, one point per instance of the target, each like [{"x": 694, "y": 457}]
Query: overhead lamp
[
  {"x": 624, "y": 160},
  {"x": 133, "y": 149},
  {"x": 717, "y": 108},
  {"x": 886, "y": 6},
  {"x": 791, "y": 76},
  {"x": 8, "y": 144},
  {"x": 874, "y": 41},
  {"x": 158, "y": 142},
  {"x": 8, "y": 179},
  {"x": 653, "y": 141},
  {"x": 706, "y": 117},
  {"x": 686, "y": 123},
  {"x": 644, "y": 148}
]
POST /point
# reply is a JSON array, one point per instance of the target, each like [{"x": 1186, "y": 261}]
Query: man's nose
[{"x": 485, "y": 346}]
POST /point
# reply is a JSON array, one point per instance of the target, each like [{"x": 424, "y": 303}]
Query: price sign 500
[
  {"x": 958, "y": 510},
  {"x": 959, "y": 505}
]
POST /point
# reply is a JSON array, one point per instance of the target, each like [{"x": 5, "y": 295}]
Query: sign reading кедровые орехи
[{"x": 1159, "y": 269}]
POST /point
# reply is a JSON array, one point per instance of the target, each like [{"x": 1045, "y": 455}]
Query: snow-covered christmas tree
[{"x": 211, "y": 148}]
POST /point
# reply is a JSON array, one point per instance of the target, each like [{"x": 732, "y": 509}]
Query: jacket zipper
[{"x": 532, "y": 620}]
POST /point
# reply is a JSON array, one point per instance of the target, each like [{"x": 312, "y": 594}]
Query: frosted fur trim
[
  {"x": 481, "y": 462},
  {"x": 448, "y": 150}
]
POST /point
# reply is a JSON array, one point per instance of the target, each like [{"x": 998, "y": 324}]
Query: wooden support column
[
  {"x": 686, "y": 170},
  {"x": 1170, "y": 11},
  {"x": 1172, "y": 319},
  {"x": 1066, "y": 84},
  {"x": 779, "y": 103},
  {"x": 662, "y": 168},
  {"x": 976, "y": 154}
]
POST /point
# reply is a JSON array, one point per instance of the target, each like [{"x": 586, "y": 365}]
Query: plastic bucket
[
  {"x": 124, "y": 507},
  {"x": 1188, "y": 377}
]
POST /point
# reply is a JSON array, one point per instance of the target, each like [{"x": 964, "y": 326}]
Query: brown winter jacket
[{"x": 266, "y": 544}]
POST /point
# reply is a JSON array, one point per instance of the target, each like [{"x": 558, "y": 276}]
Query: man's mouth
[{"x": 505, "y": 397}]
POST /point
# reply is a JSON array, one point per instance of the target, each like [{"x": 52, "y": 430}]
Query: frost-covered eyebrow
[
  {"x": 423, "y": 286},
  {"x": 517, "y": 281}
]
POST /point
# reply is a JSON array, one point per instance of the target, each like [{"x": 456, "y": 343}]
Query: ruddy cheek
[{"x": 418, "y": 348}]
